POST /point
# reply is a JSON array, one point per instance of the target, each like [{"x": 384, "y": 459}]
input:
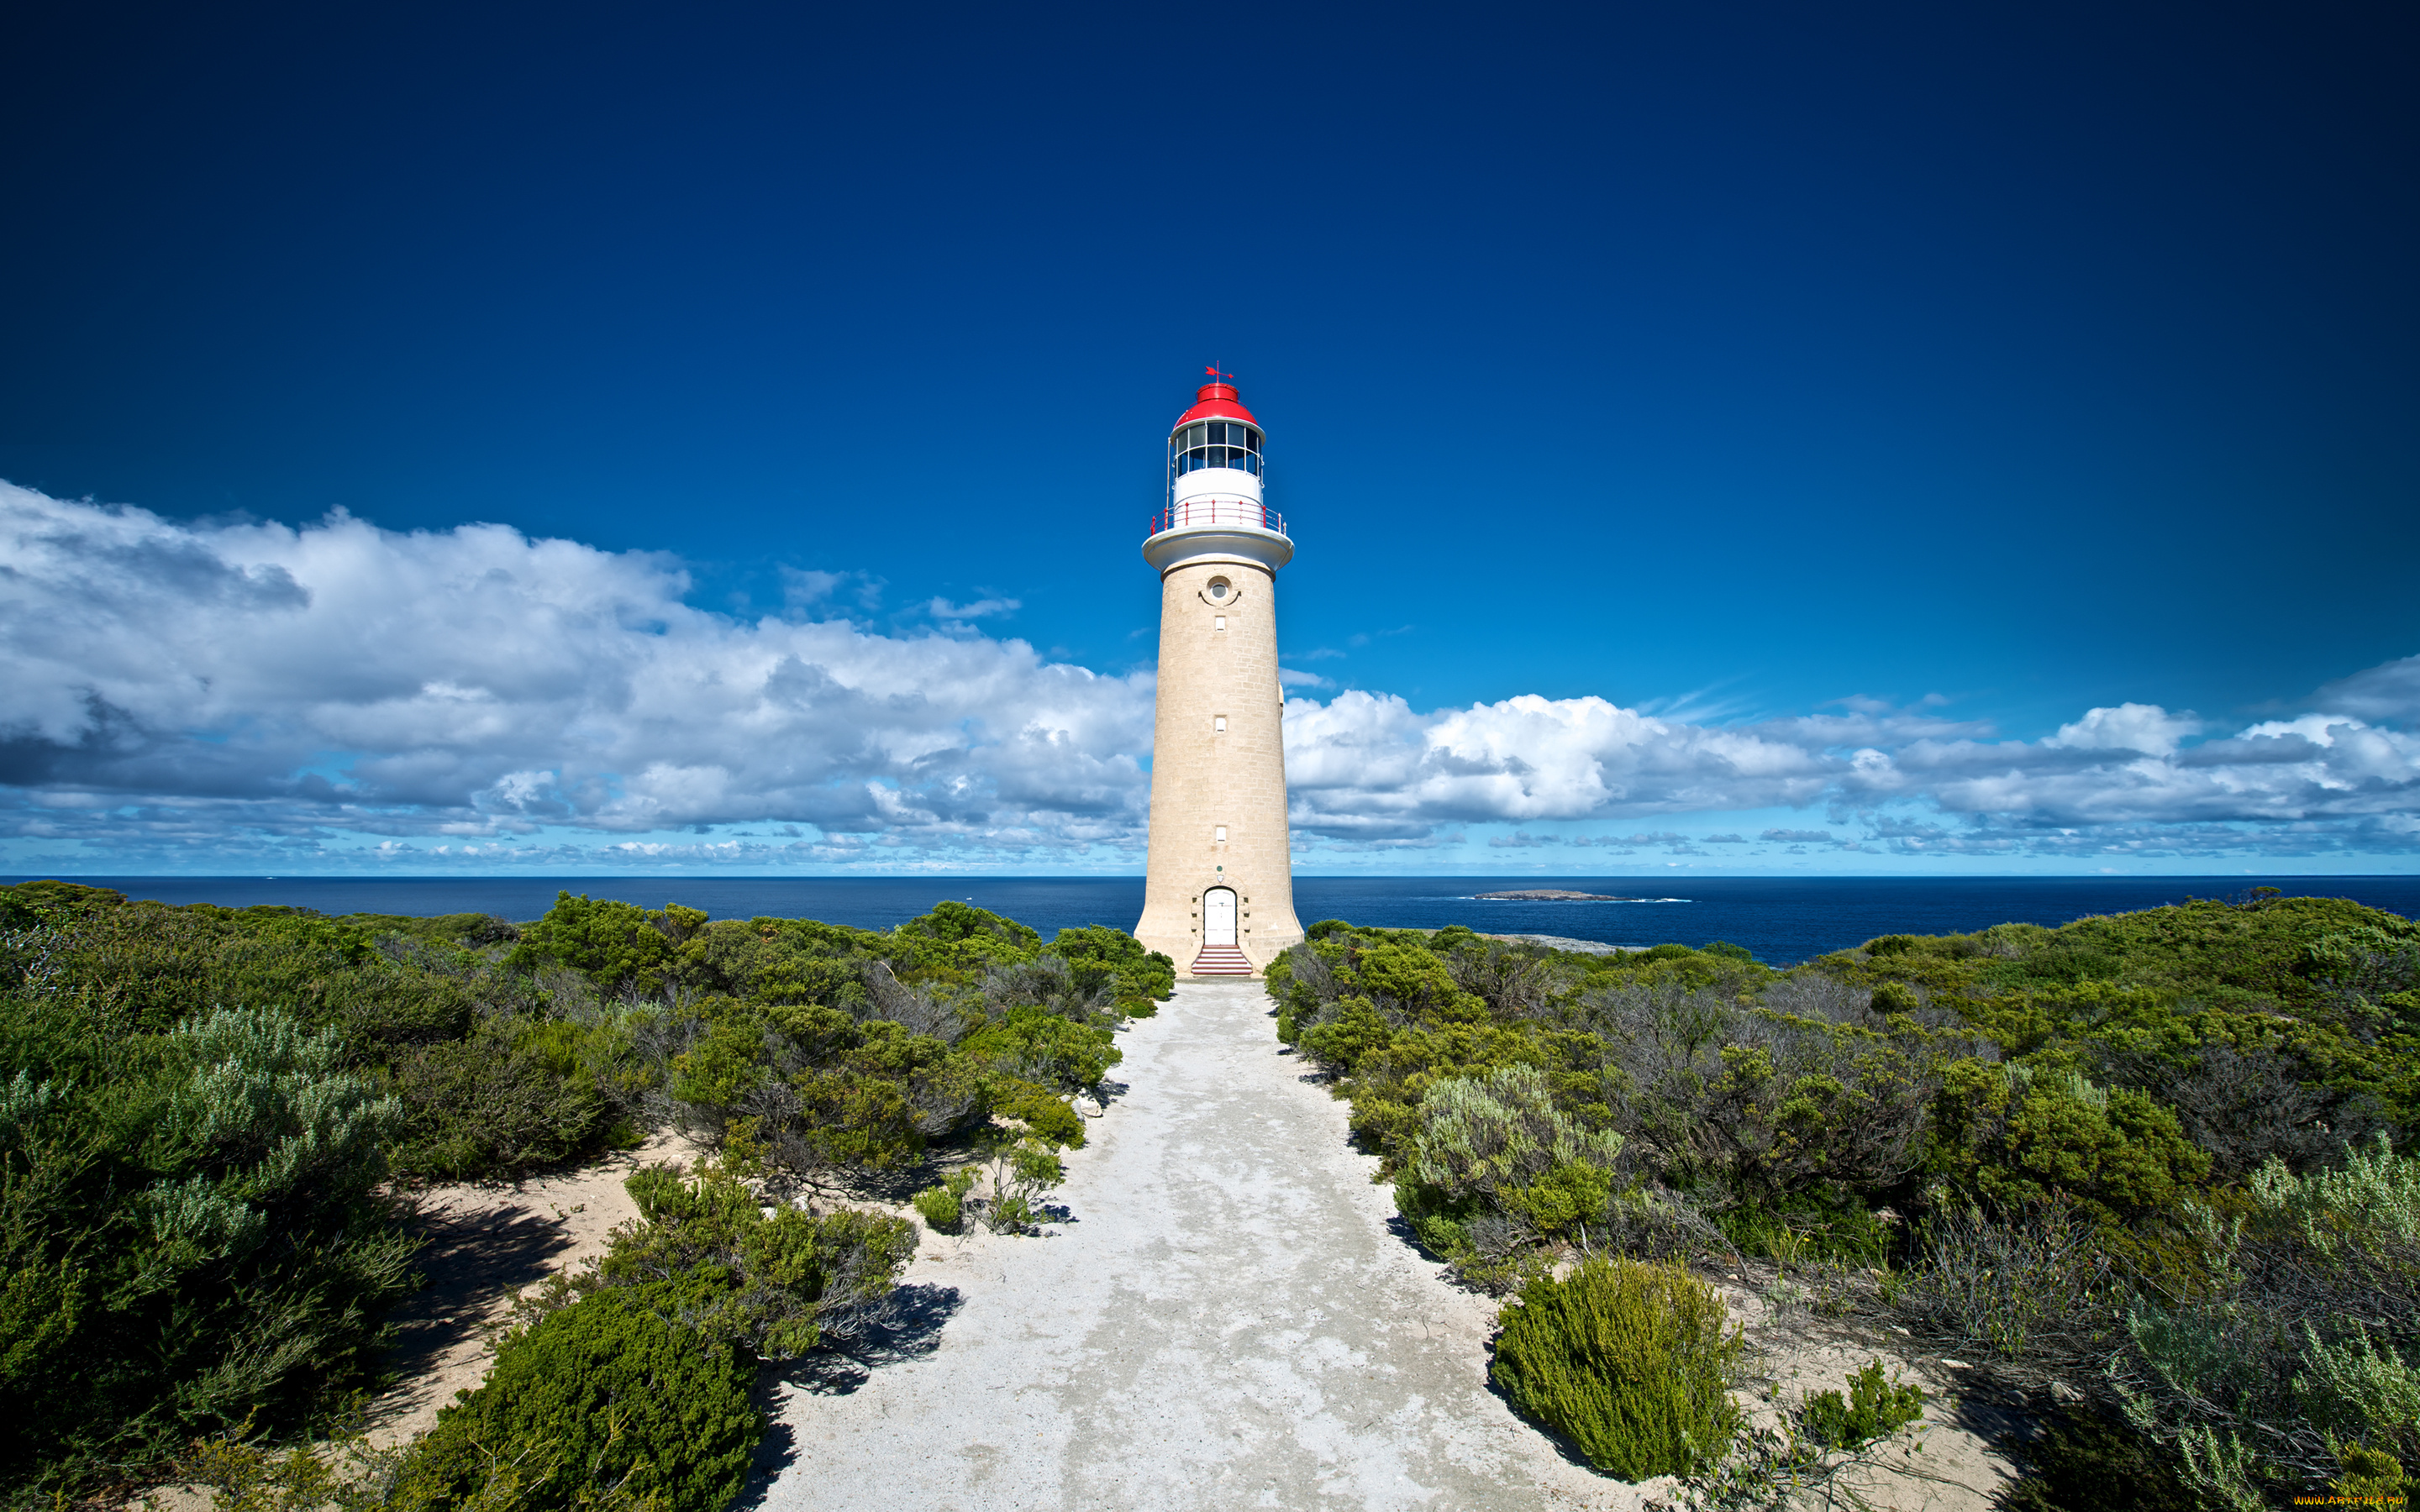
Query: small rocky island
[{"x": 1548, "y": 895}]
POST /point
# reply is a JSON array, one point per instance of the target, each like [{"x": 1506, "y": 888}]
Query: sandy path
[
  {"x": 1225, "y": 1321},
  {"x": 487, "y": 1244}
]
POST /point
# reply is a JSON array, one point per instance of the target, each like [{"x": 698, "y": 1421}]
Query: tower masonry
[{"x": 1218, "y": 893}]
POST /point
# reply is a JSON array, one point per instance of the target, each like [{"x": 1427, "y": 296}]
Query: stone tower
[{"x": 1218, "y": 893}]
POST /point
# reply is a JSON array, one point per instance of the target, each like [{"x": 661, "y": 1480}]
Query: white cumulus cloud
[
  {"x": 254, "y": 691},
  {"x": 1367, "y": 767},
  {"x": 173, "y": 681}
]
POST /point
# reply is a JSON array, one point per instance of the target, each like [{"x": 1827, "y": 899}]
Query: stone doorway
[{"x": 1219, "y": 916}]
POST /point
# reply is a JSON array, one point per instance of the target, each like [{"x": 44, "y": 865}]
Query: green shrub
[
  {"x": 256, "y": 1477},
  {"x": 1629, "y": 1362},
  {"x": 189, "y": 1235},
  {"x": 192, "y": 1230},
  {"x": 2014, "y": 1135},
  {"x": 829, "y": 1096},
  {"x": 1807, "y": 1227},
  {"x": 606, "y": 1396},
  {"x": 476, "y": 1108},
  {"x": 2371, "y": 1473},
  {"x": 2143, "y": 1107},
  {"x": 2293, "y": 1365},
  {"x": 1496, "y": 1144},
  {"x": 1767, "y": 1097},
  {"x": 1339, "y": 1044},
  {"x": 1895, "y": 997},
  {"x": 1020, "y": 1173},
  {"x": 1496, "y": 1134},
  {"x": 775, "y": 1283},
  {"x": 619, "y": 946},
  {"x": 944, "y": 1207},
  {"x": 1874, "y": 1408},
  {"x": 153, "y": 966},
  {"x": 2034, "y": 1288},
  {"x": 952, "y": 922},
  {"x": 1142, "y": 976},
  {"x": 1035, "y": 1044}
]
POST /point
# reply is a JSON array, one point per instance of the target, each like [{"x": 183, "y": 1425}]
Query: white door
[{"x": 1219, "y": 916}]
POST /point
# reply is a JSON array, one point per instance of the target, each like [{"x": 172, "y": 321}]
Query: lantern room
[
  {"x": 1215, "y": 479},
  {"x": 1215, "y": 449}
]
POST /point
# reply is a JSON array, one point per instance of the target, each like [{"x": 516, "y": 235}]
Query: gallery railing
[{"x": 1195, "y": 512}]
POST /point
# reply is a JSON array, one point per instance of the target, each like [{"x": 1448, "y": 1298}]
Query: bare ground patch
[{"x": 489, "y": 1242}]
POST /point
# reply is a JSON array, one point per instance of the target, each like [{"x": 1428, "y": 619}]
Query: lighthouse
[{"x": 1218, "y": 893}]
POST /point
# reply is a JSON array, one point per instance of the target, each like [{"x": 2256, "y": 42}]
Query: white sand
[{"x": 1226, "y": 1322}]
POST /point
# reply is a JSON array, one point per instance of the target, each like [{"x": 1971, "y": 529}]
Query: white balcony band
[{"x": 1217, "y": 529}]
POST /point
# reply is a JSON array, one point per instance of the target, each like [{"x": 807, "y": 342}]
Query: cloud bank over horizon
[{"x": 186, "y": 696}]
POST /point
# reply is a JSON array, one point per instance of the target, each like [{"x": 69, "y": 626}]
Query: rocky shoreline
[{"x": 1557, "y": 942}]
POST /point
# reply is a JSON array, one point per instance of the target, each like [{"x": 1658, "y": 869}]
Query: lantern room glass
[{"x": 1214, "y": 443}]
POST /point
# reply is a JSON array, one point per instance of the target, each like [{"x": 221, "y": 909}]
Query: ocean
[{"x": 1781, "y": 919}]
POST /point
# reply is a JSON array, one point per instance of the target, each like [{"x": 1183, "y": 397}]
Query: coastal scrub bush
[
  {"x": 1021, "y": 1172},
  {"x": 1767, "y": 1095},
  {"x": 988, "y": 936},
  {"x": 1873, "y": 1409},
  {"x": 609, "y": 1399},
  {"x": 829, "y": 1095},
  {"x": 1628, "y": 1361},
  {"x": 475, "y": 1108},
  {"x": 1808, "y": 1228},
  {"x": 1038, "y": 1045},
  {"x": 2015, "y": 1136},
  {"x": 619, "y": 946},
  {"x": 1495, "y": 1145},
  {"x": 2088, "y": 1154},
  {"x": 1140, "y": 976},
  {"x": 1818, "y": 1455},
  {"x": 943, "y": 1206},
  {"x": 1497, "y": 1135},
  {"x": 775, "y": 1282},
  {"x": 1338, "y": 1041},
  {"x": 2036, "y": 1288},
  {"x": 190, "y": 1235},
  {"x": 844, "y": 1055},
  {"x": 245, "y": 1476},
  {"x": 780, "y": 1281},
  {"x": 2296, "y": 1364}
]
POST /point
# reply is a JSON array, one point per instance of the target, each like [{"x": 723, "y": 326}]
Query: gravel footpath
[{"x": 1226, "y": 1319}]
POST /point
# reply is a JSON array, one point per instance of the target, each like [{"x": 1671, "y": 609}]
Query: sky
[{"x": 1868, "y": 438}]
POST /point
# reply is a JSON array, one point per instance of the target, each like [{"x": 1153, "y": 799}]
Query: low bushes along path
[{"x": 1225, "y": 1320}]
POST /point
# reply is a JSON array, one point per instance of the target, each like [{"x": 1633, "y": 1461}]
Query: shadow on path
[
  {"x": 473, "y": 1261},
  {"x": 906, "y": 1326}
]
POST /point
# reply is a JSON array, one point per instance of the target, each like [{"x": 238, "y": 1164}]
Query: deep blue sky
[{"x": 2038, "y": 356}]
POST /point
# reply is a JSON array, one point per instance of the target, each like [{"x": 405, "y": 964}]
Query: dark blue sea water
[{"x": 1781, "y": 919}]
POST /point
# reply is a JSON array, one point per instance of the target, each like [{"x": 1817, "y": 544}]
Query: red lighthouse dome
[{"x": 1217, "y": 401}]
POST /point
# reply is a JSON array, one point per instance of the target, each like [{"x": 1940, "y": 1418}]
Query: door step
[{"x": 1222, "y": 961}]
